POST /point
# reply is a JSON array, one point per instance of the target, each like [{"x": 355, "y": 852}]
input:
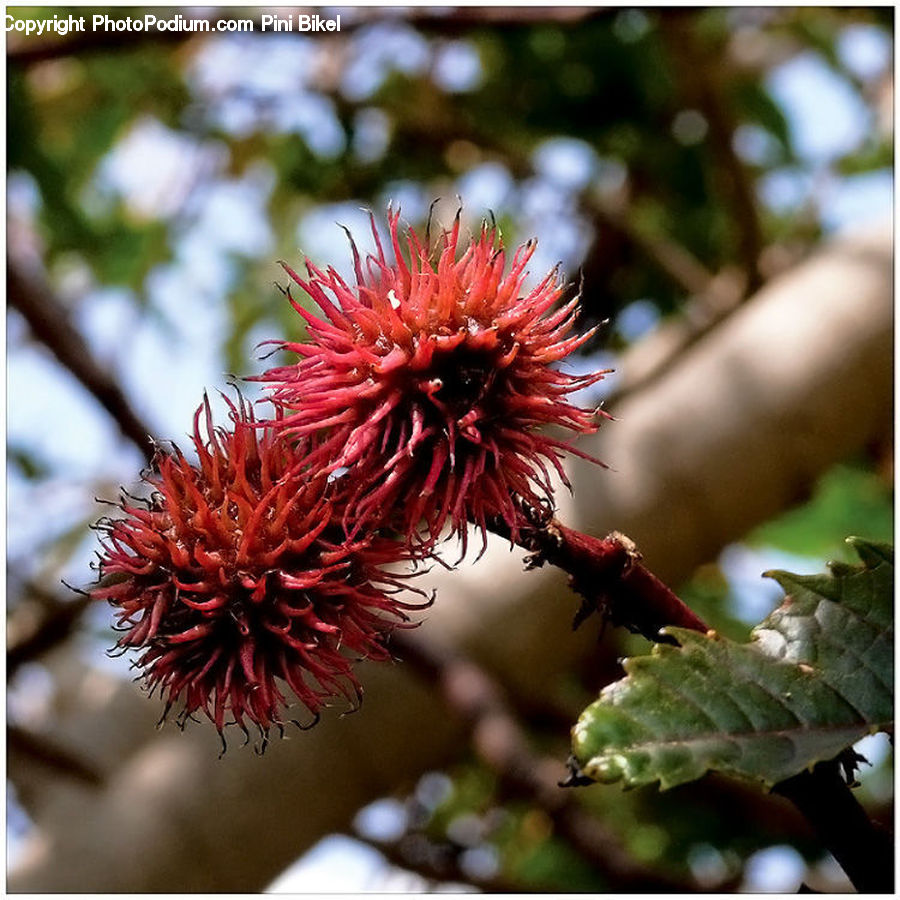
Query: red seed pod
[
  {"x": 432, "y": 384},
  {"x": 237, "y": 584}
]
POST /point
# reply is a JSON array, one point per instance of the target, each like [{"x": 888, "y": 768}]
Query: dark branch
[
  {"x": 41, "y": 749},
  {"x": 48, "y": 621},
  {"x": 671, "y": 258},
  {"x": 50, "y": 324},
  {"x": 864, "y": 851}
]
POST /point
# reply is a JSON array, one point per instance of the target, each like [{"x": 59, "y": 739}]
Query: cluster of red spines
[
  {"x": 430, "y": 384},
  {"x": 419, "y": 403},
  {"x": 236, "y": 576}
]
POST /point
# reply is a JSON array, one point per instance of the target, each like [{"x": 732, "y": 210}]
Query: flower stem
[{"x": 610, "y": 577}]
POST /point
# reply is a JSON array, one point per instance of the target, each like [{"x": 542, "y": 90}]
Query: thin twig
[
  {"x": 658, "y": 353},
  {"x": 41, "y": 749},
  {"x": 50, "y": 324},
  {"x": 699, "y": 72},
  {"x": 671, "y": 258},
  {"x": 29, "y": 634}
]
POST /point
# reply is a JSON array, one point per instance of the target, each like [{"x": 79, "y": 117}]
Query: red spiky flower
[
  {"x": 236, "y": 581},
  {"x": 431, "y": 384}
]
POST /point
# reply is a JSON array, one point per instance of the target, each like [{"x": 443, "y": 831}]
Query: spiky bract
[
  {"x": 237, "y": 583},
  {"x": 431, "y": 384}
]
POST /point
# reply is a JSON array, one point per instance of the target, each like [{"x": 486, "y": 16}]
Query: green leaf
[{"x": 815, "y": 678}]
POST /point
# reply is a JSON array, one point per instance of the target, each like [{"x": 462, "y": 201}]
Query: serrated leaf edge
[{"x": 871, "y": 554}]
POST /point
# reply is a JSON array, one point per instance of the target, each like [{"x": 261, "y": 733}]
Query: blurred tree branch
[
  {"x": 700, "y": 74},
  {"x": 44, "y": 751},
  {"x": 670, "y": 257},
  {"x": 653, "y": 356},
  {"x": 500, "y": 742},
  {"x": 39, "y": 622},
  {"x": 33, "y": 297},
  {"x": 436, "y": 865}
]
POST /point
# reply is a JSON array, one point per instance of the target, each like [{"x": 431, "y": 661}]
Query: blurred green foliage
[
  {"x": 850, "y": 499},
  {"x": 614, "y": 81}
]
